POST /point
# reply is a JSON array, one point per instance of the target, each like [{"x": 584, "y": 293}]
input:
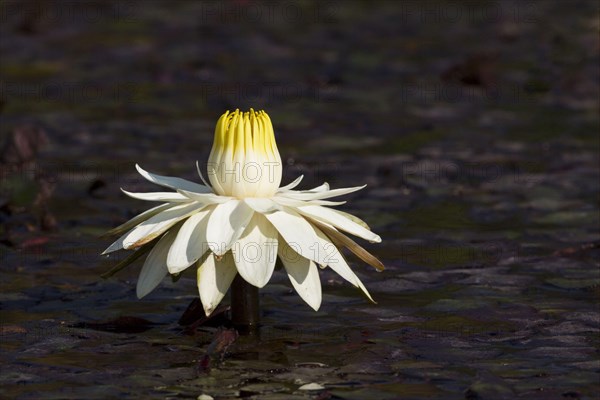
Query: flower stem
[{"x": 244, "y": 306}]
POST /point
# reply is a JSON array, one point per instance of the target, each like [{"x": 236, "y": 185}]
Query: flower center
[{"x": 244, "y": 160}]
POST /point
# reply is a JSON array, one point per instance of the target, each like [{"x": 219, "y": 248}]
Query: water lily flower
[{"x": 242, "y": 220}]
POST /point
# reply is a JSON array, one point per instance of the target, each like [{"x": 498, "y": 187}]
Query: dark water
[{"x": 475, "y": 127}]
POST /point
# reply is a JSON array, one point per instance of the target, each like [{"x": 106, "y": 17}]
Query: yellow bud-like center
[{"x": 244, "y": 160}]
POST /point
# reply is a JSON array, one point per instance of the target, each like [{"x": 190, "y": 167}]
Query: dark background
[{"x": 475, "y": 125}]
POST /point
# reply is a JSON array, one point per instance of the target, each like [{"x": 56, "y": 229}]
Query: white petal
[
  {"x": 303, "y": 274},
  {"x": 354, "y": 218},
  {"x": 339, "y": 239},
  {"x": 129, "y": 226},
  {"x": 205, "y": 198},
  {"x": 292, "y": 185},
  {"x": 173, "y": 182},
  {"x": 336, "y": 262},
  {"x": 155, "y": 226},
  {"x": 312, "y": 195},
  {"x": 285, "y": 201},
  {"x": 262, "y": 204},
  {"x": 214, "y": 278},
  {"x": 338, "y": 220},
  {"x": 117, "y": 244},
  {"x": 201, "y": 176},
  {"x": 226, "y": 224},
  {"x": 171, "y": 197},
  {"x": 155, "y": 266},
  {"x": 298, "y": 233},
  {"x": 190, "y": 243},
  {"x": 138, "y": 219},
  {"x": 321, "y": 188},
  {"x": 255, "y": 252}
]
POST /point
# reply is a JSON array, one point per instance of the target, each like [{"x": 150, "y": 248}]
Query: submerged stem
[{"x": 244, "y": 306}]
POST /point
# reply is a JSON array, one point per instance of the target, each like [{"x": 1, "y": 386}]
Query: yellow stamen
[{"x": 244, "y": 160}]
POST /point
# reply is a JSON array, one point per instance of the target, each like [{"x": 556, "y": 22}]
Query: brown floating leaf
[
  {"x": 28, "y": 184},
  {"x": 223, "y": 339},
  {"x": 339, "y": 239},
  {"x": 95, "y": 186},
  {"x": 23, "y": 146},
  {"x": 34, "y": 242},
  {"x": 11, "y": 329},
  {"x": 476, "y": 70},
  {"x": 571, "y": 251},
  {"x": 194, "y": 316}
]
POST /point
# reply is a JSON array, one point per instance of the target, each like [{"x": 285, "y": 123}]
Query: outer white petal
[
  {"x": 201, "y": 176},
  {"x": 321, "y": 188},
  {"x": 262, "y": 204},
  {"x": 303, "y": 274},
  {"x": 158, "y": 224},
  {"x": 205, "y": 198},
  {"x": 171, "y": 197},
  {"x": 298, "y": 233},
  {"x": 338, "y": 220},
  {"x": 336, "y": 262},
  {"x": 226, "y": 224},
  {"x": 173, "y": 182},
  {"x": 118, "y": 244},
  {"x": 286, "y": 201},
  {"x": 190, "y": 243},
  {"x": 341, "y": 240},
  {"x": 354, "y": 218},
  {"x": 129, "y": 226},
  {"x": 212, "y": 169},
  {"x": 155, "y": 266},
  {"x": 255, "y": 252},
  {"x": 292, "y": 185},
  {"x": 214, "y": 278},
  {"x": 317, "y": 195}
]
